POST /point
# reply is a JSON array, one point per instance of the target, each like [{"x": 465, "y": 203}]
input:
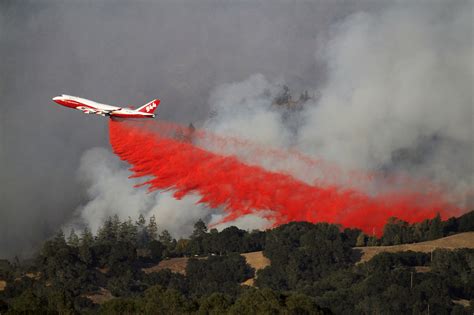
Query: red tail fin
[{"x": 149, "y": 107}]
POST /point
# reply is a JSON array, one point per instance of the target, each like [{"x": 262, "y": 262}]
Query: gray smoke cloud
[
  {"x": 121, "y": 53},
  {"x": 405, "y": 105},
  {"x": 397, "y": 97}
]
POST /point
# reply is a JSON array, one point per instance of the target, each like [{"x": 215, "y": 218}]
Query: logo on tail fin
[{"x": 149, "y": 107}]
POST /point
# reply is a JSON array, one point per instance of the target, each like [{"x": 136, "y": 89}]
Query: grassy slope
[{"x": 461, "y": 240}]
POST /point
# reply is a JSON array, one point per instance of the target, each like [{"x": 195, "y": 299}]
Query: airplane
[{"x": 91, "y": 107}]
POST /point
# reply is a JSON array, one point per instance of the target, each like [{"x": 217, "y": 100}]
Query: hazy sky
[
  {"x": 129, "y": 52},
  {"x": 122, "y": 52}
]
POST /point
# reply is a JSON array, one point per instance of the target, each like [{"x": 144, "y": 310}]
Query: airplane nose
[{"x": 60, "y": 100}]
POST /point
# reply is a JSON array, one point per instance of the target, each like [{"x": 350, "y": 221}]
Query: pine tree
[
  {"x": 128, "y": 231},
  {"x": 106, "y": 234},
  {"x": 152, "y": 228},
  {"x": 169, "y": 243},
  {"x": 200, "y": 229},
  {"x": 115, "y": 227},
  {"x": 436, "y": 228},
  {"x": 87, "y": 238},
  {"x": 165, "y": 238},
  {"x": 141, "y": 222},
  {"x": 59, "y": 239},
  {"x": 73, "y": 239},
  {"x": 142, "y": 236}
]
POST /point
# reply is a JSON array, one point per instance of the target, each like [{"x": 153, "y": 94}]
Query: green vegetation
[
  {"x": 397, "y": 231},
  {"x": 312, "y": 271}
]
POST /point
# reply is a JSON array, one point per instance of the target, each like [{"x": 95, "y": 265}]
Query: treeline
[
  {"x": 312, "y": 271},
  {"x": 397, "y": 231}
]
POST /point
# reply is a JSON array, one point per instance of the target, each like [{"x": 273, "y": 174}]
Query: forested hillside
[{"x": 312, "y": 271}]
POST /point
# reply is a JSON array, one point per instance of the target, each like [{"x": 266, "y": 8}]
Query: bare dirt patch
[
  {"x": 462, "y": 302},
  {"x": 461, "y": 240},
  {"x": 100, "y": 297}
]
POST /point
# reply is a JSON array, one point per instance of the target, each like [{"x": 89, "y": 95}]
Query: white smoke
[
  {"x": 244, "y": 110},
  {"x": 400, "y": 79},
  {"x": 110, "y": 192}
]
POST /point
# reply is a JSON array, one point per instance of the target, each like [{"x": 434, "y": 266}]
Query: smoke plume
[{"x": 390, "y": 85}]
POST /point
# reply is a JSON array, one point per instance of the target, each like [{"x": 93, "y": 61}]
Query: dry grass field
[
  {"x": 174, "y": 264},
  {"x": 256, "y": 260},
  {"x": 461, "y": 240}
]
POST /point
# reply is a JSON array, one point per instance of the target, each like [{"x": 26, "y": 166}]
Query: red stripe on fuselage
[
  {"x": 73, "y": 104},
  {"x": 114, "y": 114}
]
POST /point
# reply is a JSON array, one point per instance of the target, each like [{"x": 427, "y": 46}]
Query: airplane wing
[{"x": 98, "y": 111}]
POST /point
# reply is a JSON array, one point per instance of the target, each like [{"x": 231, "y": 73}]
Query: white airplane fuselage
[{"x": 91, "y": 107}]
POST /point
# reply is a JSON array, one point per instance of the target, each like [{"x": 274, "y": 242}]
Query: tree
[
  {"x": 156, "y": 250},
  {"x": 302, "y": 304},
  {"x": 168, "y": 242},
  {"x": 106, "y": 234},
  {"x": 120, "y": 306},
  {"x": 85, "y": 244},
  {"x": 73, "y": 239},
  {"x": 152, "y": 228},
  {"x": 302, "y": 253},
  {"x": 141, "y": 221},
  {"x": 165, "y": 238},
  {"x": 466, "y": 222},
  {"x": 27, "y": 302},
  {"x": 165, "y": 301},
  {"x": 436, "y": 228},
  {"x": 200, "y": 229},
  {"x": 396, "y": 232},
  {"x": 214, "y": 304},
  {"x": 182, "y": 247},
  {"x": 86, "y": 237},
  {"x": 115, "y": 226},
  {"x": 128, "y": 231},
  {"x": 350, "y": 236},
  {"x": 59, "y": 240},
  {"x": 252, "y": 301},
  {"x": 218, "y": 274},
  {"x": 142, "y": 236}
]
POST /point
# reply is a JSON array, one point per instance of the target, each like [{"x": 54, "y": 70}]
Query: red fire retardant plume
[{"x": 241, "y": 189}]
